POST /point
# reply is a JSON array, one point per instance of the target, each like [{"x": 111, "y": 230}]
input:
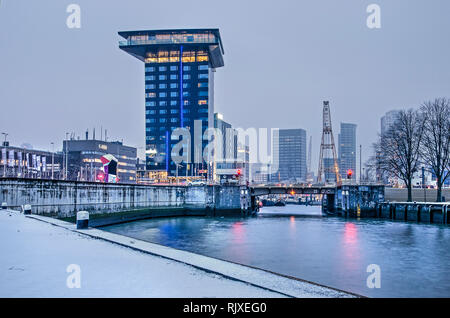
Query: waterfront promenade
[{"x": 36, "y": 252}]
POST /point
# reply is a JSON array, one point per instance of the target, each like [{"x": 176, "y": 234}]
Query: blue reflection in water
[{"x": 413, "y": 258}]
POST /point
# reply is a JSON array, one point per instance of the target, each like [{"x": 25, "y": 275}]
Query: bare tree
[
  {"x": 397, "y": 152},
  {"x": 435, "y": 149}
]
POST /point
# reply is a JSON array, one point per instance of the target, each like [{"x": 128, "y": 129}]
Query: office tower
[
  {"x": 388, "y": 120},
  {"x": 226, "y": 157},
  {"x": 179, "y": 90},
  {"x": 291, "y": 145},
  {"x": 347, "y": 150}
]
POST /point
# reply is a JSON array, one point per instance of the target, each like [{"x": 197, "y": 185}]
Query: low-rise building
[{"x": 85, "y": 164}]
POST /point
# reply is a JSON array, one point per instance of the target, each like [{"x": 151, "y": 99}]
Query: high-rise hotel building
[{"x": 179, "y": 88}]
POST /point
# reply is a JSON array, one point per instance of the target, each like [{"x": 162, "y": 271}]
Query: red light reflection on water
[
  {"x": 238, "y": 232},
  {"x": 351, "y": 248},
  {"x": 350, "y": 233}
]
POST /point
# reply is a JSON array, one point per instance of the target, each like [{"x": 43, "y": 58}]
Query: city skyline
[{"x": 83, "y": 84}]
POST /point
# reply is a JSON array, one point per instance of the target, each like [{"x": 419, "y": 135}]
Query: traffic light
[
  {"x": 239, "y": 172},
  {"x": 349, "y": 173}
]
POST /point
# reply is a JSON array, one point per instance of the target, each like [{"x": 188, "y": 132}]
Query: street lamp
[
  {"x": 4, "y": 162},
  {"x": 53, "y": 158}
]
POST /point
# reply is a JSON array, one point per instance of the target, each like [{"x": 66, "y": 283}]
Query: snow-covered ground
[{"x": 35, "y": 257}]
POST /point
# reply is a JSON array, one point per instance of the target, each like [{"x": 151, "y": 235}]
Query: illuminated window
[
  {"x": 203, "y": 84},
  {"x": 162, "y": 77},
  {"x": 173, "y": 103},
  {"x": 162, "y": 94},
  {"x": 173, "y": 76},
  {"x": 149, "y": 69},
  {"x": 163, "y": 57},
  {"x": 151, "y": 58},
  {"x": 203, "y": 76},
  {"x": 186, "y": 76},
  {"x": 203, "y": 67},
  {"x": 186, "y": 68},
  {"x": 162, "y": 68},
  {"x": 186, "y": 103},
  {"x": 150, "y": 86},
  {"x": 203, "y": 102},
  {"x": 173, "y": 85},
  {"x": 150, "y": 78},
  {"x": 186, "y": 85},
  {"x": 202, "y": 93},
  {"x": 150, "y": 104},
  {"x": 188, "y": 56},
  {"x": 173, "y": 67},
  {"x": 162, "y": 103},
  {"x": 173, "y": 94},
  {"x": 202, "y": 56},
  {"x": 185, "y": 94},
  {"x": 162, "y": 86},
  {"x": 174, "y": 57},
  {"x": 150, "y": 95}
]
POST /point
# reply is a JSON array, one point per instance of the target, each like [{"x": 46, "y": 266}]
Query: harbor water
[{"x": 414, "y": 259}]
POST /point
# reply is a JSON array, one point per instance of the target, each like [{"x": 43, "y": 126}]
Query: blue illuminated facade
[{"x": 179, "y": 88}]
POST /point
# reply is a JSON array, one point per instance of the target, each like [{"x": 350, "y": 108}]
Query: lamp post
[
  {"x": 53, "y": 159},
  {"x": 4, "y": 163},
  {"x": 67, "y": 156}
]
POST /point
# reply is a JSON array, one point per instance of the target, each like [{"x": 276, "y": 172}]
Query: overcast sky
[{"x": 282, "y": 59}]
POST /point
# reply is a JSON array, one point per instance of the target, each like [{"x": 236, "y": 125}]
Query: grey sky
[{"x": 282, "y": 59}]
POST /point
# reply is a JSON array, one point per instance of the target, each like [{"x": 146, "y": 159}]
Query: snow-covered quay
[{"x": 39, "y": 255}]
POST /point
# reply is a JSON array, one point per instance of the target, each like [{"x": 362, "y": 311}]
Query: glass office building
[
  {"x": 347, "y": 150},
  {"x": 290, "y": 149},
  {"x": 179, "y": 89}
]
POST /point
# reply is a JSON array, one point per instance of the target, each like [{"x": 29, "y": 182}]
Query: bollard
[
  {"x": 4, "y": 206},
  {"x": 27, "y": 209},
  {"x": 82, "y": 220}
]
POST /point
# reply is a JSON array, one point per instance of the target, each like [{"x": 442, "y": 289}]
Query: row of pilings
[{"x": 436, "y": 213}]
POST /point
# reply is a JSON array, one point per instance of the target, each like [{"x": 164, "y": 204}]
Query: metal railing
[{"x": 167, "y": 41}]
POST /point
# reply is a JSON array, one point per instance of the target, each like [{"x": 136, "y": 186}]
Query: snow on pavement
[
  {"x": 36, "y": 251},
  {"x": 35, "y": 256}
]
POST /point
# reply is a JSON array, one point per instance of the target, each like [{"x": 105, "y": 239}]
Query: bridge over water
[
  {"x": 348, "y": 199},
  {"x": 266, "y": 190}
]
